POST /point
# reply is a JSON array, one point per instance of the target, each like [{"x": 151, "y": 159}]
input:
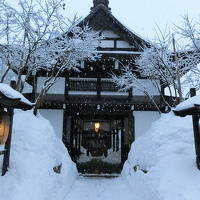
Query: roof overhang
[{"x": 194, "y": 110}]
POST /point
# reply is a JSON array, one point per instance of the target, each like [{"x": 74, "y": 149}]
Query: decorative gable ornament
[{"x": 100, "y": 2}]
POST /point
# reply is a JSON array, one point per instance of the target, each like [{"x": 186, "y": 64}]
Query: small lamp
[
  {"x": 97, "y": 127},
  {"x": 4, "y": 126}
]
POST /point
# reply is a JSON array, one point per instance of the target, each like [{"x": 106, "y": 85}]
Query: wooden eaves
[
  {"x": 7, "y": 102},
  {"x": 194, "y": 110}
]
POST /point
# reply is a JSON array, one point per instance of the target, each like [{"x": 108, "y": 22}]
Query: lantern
[
  {"x": 4, "y": 126},
  {"x": 97, "y": 127}
]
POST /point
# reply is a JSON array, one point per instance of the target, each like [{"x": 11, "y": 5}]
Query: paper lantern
[
  {"x": 97, "y": 127},
  {"x": 4, "y": 126}
]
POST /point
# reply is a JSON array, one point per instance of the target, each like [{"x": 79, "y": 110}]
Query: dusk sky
[{"x": 142, "y": 15}]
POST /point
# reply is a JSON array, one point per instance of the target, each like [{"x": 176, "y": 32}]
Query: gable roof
[{"x": 101, "y": 18}]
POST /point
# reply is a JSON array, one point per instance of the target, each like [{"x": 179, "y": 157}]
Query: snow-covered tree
[
  {"x": 163, "y": 64},
  {"x": 190, "y": 31},
  {"x": 35, "y": 35}
]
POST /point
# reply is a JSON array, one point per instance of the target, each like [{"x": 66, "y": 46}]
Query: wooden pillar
[
  {"x": 71, "y": 151},
  {"x": 65, "y": 117},
  {"x": 131, "y": 120},
  {"x": 122, "y": 141},
  {"x": 113, "y": 138},
  {"x": 66, "y": 87},
  {"x": 98, "y": 85},
  {"x": 195, "y": 119},
  {"x": 6, "y": 159},
  {"x": 130, "y": 93}
]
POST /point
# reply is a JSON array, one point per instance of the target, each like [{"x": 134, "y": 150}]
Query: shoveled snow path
[{"x": 101, "y": 189}]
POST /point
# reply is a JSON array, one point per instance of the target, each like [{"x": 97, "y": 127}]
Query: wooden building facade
[{"x": 96, "y": 122}]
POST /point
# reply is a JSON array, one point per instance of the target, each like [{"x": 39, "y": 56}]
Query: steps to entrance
[
  {"x": 100, "y": 175},
  {"x": 101, "y": 188}
]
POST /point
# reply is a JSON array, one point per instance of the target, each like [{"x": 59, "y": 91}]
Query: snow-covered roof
[
  {"x": 12, "y": 94},
  {"x": 189, "y": 103},
  {"x": 102, "y": 12}
]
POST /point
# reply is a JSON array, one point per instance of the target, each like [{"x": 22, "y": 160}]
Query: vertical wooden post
[
  {"x": 195, "y": 119},
  {"x": 114, "y": 132},
  {"x": 71, "y": 152},
  {"x": 130, "y": 93},
  {"x": 66, "y": 87},
  {"x": 65, "y": 117},
  {"x": 6, "y": 159},
  {"x": 122, "y": 141},
  {"x": 98, "y": 86}
]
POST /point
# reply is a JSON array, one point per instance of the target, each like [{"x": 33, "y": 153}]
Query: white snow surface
[
  {"x": 102, "y": 189},
  {"x": 189, "y": 103},
  {"x": 35, "y": 151},
  {"x": 167, "y": 153},
  {"x": 13, "y": 94}
]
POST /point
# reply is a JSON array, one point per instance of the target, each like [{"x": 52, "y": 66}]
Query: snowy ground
[
  {"x": 102, "y": 189},
  {"x": 167, "y": 154},
  {"x": 160, "y": 166},
  {"x": 35, "y": 151}
]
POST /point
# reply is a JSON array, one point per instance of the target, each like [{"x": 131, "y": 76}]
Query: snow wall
[
  {"x": 143, "y": 121},
  {"x": 161, "y": 163},
  {"x": 55, "y": 117},
  {"x": 35, "y": 151}
]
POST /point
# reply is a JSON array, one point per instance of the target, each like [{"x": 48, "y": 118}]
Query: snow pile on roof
[
  {"x": 166, "y": 152},
  {"x": 189, "y": 103},
  {"x": 13, "y": 94},
  {"x": 35, "y": 151}
]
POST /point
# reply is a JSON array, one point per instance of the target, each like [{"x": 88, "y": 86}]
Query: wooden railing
[{"x": 92, "y": 85}]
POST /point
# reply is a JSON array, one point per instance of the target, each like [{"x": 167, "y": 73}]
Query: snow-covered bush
[
  {"x": 167, "y": 153},
  {"x": 35, "y": 151}
]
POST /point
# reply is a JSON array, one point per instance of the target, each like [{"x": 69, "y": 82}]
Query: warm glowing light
[
  {"x": 4, "y": 126},
  {"x": 97, "y": 127}
]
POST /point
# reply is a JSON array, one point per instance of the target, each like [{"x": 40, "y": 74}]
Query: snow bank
[
  {"x": 35, "y": 151},
  {"x": 161, "y": 163}
]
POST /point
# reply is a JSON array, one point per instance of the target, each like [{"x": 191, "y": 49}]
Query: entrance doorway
[{"x": 97, "y": 143}]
